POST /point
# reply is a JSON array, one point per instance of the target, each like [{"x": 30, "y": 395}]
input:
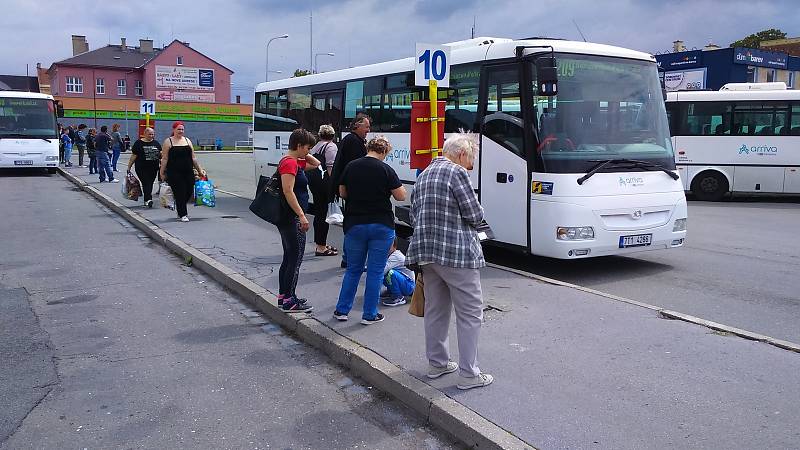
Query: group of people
[
  {"x": 172, "y": 161},
  {"x": 444, "y": 247},
  {"x": 84, "y": 139}
]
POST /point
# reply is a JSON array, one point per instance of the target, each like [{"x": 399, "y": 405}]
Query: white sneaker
[
  {"x": 436, "y": 372},
  {"x": 115, "y": 180},
  {"x": 481, "y": 380},
  {"x": 184, "y": 219}
]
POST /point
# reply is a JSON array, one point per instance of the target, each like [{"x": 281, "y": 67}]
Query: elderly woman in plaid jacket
[{"x": 445, "y": 213}]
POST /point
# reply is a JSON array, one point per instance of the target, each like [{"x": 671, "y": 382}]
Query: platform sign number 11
[
  {"x": 147, "y": 107},
  {"x": 433, "y": 63}
]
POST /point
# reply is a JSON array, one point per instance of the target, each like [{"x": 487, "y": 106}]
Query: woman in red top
[{"x": 293, "y": 228}]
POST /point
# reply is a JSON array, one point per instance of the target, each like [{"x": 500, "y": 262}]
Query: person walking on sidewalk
[
  {"x": 445, "y": 213},
  {"x": 116, "y": 145},
  {"x": 367, "y": 184},
  {"x": 146, "y": 154},
  {"x": 80, "y": 143},
  {"x": 319, "y": 181},
  {"x": 66, "y": 141},
  {"x": 294, "y": 185},
  {"x": 90, "y": 150},
  {"x": 177, "y": 164},
  {"x": 102, "y": 145}
]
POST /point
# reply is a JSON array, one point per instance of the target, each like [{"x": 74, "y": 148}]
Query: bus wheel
[
  {"x": 52, "y": 170},
  {"x": 710, "y": 186}
]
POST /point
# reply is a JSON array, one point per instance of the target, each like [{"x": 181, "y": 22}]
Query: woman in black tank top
[{"x": 177, "y": 162}]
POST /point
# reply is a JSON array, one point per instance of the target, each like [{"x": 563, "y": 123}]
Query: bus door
[
  {"x": 326, "y": 109},
  {"x": 504, "y": 185}
]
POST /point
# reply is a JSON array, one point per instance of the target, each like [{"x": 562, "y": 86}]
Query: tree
[
  {"x": 301, "y": 73},
  {"x": 754, "y": 40}
]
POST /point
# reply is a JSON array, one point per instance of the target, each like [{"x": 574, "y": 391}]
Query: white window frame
[
  {"x": 100, "y": 86},
  {"x": 122, "y": 88},
  {"x": 179, "y": 61},
  {"x": 74, "y": 85},
  {"x": 138, "y": 88}
]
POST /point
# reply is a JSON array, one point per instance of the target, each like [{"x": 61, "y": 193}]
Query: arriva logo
[
  {"x": 762, "y": 150},
  {"x": 631, "y": 181}
]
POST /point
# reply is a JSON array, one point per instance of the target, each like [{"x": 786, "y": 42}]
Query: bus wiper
[
  {"x": 653, "y": 166},
  {"x": 602, "y": 163}
]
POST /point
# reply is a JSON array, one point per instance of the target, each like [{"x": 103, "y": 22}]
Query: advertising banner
[
  {"x": 685, "y": 80},
  {"x": 179, "y": 96},
  {"x": 682, "y": 60},
  {"x": 184, "y": 78}
]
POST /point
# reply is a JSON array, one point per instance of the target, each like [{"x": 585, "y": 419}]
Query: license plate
[
  {"x": 23, "y": 162},
  {"x": 639, "y": 240}
]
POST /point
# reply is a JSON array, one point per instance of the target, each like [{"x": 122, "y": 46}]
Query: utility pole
[
  {"x": 473, "y": 27},
  {"x": 311, "y": 41}
]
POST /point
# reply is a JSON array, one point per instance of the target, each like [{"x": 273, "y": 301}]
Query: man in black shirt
[{"x": 353, "y": 146}]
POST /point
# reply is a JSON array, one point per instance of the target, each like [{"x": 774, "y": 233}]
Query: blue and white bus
[
  {"x": 586, "y": 172},
  {"x": 742, "y": 138}
]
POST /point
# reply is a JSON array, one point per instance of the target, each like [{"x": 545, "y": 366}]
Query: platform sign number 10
[{"x": 433, "y": 63}]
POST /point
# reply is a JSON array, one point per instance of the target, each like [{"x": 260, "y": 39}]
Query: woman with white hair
[
  {"x": 445, "y": 214},
  {"x": 319, "y": 181}
]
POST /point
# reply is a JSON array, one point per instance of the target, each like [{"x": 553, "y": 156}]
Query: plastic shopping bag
[
  {"x": 335, "y": 216},
  {"x": 204, "y": 193},
  {"x": 166, "y": 198},
  {"x": 131, "y": 188}
]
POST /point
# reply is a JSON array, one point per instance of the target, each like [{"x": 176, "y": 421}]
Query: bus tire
[
  {"x": 710, "y": 186},
  {"x": 52, "y": 170}
]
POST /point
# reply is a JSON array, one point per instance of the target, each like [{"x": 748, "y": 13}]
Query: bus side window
[
  {"x": 461, "y": 107},
  {"x": 503, "y": 121}
]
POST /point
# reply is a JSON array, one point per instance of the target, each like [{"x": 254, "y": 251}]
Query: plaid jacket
[{"x": 444, "y": 214}]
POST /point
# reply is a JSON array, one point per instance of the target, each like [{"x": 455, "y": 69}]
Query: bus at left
[{"x": 28, "y": 131}]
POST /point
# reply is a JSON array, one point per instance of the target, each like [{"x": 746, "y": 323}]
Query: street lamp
[
  {"x": 316, "y": 65},
  {"x": 266, "y": 72}
]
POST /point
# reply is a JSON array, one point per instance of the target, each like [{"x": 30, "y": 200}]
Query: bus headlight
[
  {"x": 680, "y": 225},
  {"x": 574, "y": 233},
  {"x": 52, "y": 158}
]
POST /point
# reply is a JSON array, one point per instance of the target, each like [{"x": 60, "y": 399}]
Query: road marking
[{"x": 663, "y": 312}]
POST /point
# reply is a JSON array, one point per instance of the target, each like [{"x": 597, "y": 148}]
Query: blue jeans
[
  {"x": 103, "y": 166},
  {"x": 67, "y": 154},
  {"x": 116, "y": 149},
  {"x": 368, "y": 243},
  {"x": 398, "y": 284}
]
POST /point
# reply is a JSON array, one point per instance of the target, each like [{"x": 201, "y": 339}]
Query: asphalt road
[
  {"x": 109, "y": 341},
  {"x": 739, "y": 265}
]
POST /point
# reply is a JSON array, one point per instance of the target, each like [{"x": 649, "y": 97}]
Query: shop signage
[
  {"x": 184, "y": 78},
  {"x": 682, "y": 60},
  {"x": 760, "y": 58}
]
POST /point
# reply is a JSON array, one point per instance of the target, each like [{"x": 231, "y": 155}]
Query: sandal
[
  {"x": 327, "y": 252},
  {"x": 332, "y": 248}
]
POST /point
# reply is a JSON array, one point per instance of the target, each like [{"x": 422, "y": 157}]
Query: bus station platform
[{"x": 572, "y": 368}]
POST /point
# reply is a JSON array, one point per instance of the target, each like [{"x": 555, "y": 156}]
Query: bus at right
[{"x": 744, "y": 138}]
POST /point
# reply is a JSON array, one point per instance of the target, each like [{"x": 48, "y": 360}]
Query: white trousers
[{"x": 448, "y": 288}]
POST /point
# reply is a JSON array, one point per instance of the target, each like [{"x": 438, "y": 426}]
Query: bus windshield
[
  {"x": 27, "y": 117},
  {"x": 606, "y": 108}
]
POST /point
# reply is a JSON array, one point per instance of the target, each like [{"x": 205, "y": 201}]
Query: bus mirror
[
  {"x": 662, "y": 74},
  {"x": 547, "y": 76},
  {"x": 59, "y": 109}
]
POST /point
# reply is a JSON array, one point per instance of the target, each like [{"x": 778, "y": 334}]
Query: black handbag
[{"x": 269, "y": 203}]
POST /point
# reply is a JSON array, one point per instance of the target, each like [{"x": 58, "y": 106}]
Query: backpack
[{"x": 321, "y": 156}]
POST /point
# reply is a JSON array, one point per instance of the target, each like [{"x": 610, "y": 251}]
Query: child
[
  {"x": 67, "y": 142},
  {"x": 398, "y": 279}
]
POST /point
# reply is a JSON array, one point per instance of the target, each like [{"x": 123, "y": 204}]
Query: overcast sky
[{"x": 234, "y": 32}]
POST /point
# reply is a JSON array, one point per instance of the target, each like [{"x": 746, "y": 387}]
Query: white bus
[
  {"x": 584, "y": 173},
  {"x": 743, "y": 138},
  {"x": 28, "y": 131}
]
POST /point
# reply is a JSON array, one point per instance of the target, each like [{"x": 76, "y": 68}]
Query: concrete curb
[
  {"x": 665, "y": 313},
  {"x": 461, "y": 422}
]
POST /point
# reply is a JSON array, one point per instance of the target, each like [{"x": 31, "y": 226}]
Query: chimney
[
  {"x": 122, "y": 44},
  {"x": 677, "y": 46},
  {"x": 146, "y": 45},
  {"x": 710, "y": 46},
  {"x": 79, "y": 44}
]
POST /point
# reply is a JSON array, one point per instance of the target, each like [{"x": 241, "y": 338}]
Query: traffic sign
[
  {"x": 432, "y": 64},
  {"x": 147, "y": 107}
]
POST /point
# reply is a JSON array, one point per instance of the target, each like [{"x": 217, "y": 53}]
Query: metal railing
[{"x": 243, "y": 145}]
